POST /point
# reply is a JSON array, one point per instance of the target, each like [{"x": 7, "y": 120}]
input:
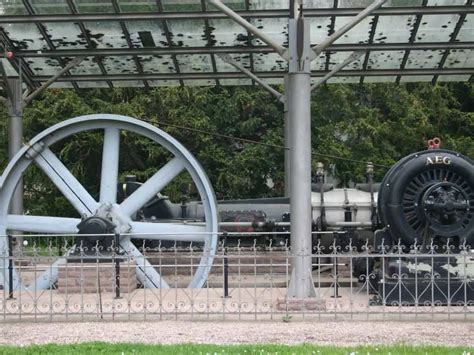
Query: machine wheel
[
  {"x": 37, "y": 151},
  {"x": 429, "y": 195}
]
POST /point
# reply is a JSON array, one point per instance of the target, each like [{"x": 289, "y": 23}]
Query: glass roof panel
[
  {"x": 269, "y": 62},
  {"x": 104, "y": 40},
  {"x": 380, "y": 79},
  {"x": 120, "y": 65},
  {"x": 385, "y": 60},
  {"x": 43, "y": 66},
  {"x": 269, "y": 4},
  {"x": 68, "y": 35},
  {"x": 424, "y": 59},
  {"x": 339, "y": 57},
  {"x": 51, "y": 7},
  {"x": 106, "y": 34},
  {"x": 436, "y": 28},
  {"x": 14, "y": 7},
  {"x": 87, "y": 67},
  {"x": 200, "y": 82},
  {"x": 358, "y": 34},
  {"x": 344, "y": 80},
  {"x": 194, "y": 63},
  {"x": 128, "y": 83},
  {"x": 163, "y": 83},
  {"x": 394, "y": 29},
  {"x": 275, "y": 28},
  {"x": 319, "y": 28},
  {"x": 316, "y": 4},
  {"x": 467, "y": 29},
  {"x": 226, "y": 32},
  {"x": 222, "y": 66},
  {"x": 235, "y": 82},
  {"x": 94, "y": 6},
  {"x": 155, "y": 64},
  {"x": 454, "y": 78},
  {"x": 415, "y": 78},
  {"x": 154, "y": 29},
  {"x": 462, "y": 58},
  {"x": 25, "y": 36},
  {"x": 187, "y": 33},
  {"x": 137, "y": 5}
]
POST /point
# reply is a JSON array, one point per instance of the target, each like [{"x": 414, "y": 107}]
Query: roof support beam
[
  {"x": 271, "y": 74},
  {"x": 354, "y": 56},
  {"x": 251, "y": 28},
  {"x": 346, "y": 47},
  {"x": 228, "y": 59},
  {"x": 281, "y": 13},
  {"x": 53, "y": 79},
  {"x": 343, "y": 30}
]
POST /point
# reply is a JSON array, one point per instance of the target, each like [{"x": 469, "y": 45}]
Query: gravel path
[{"x": 172, "y": 332}]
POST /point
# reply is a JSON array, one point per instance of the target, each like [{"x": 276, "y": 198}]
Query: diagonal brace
[
  {"x": 251, "y": 28},
  {"x": 228, "y": 59},
  {"x": 48, "y": 83},
  {"x": 354, "y": 56},
  {"x": 318, "y": 49}
]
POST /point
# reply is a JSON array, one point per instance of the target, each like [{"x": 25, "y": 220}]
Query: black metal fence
[{"x": 247, "y": 280}]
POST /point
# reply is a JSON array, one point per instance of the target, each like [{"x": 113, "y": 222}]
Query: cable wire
[{"x": 261, "y": 143}]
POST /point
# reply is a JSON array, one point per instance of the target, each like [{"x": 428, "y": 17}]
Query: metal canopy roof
[{"x": 172, "y": 42}]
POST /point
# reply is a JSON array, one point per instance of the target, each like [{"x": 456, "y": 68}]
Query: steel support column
[
  {"x": 299, "y": 105},
  {"x": 286, "y": 139},
  {"x": 15, "y": 139}
]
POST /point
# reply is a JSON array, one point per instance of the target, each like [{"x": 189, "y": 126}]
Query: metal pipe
[
  {"x": 15, "y": 137},
  {"x": 251, "y": 28},
  {"x": 286, "y": 139},
  {"x": 354, "y": 56},
  {"x": 53, "y": 79},
  {"x": 340, "y": 32},
  {"x": 260, "y": 13},
  {"x": 228, "y": 59},
  {"x": 300, "y": 162}
]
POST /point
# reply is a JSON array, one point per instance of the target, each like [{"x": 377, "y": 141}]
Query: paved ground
[{"x": 171, "y": 332}]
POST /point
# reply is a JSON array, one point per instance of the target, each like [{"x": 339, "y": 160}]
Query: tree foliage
[{"x": 380, "y": 123}]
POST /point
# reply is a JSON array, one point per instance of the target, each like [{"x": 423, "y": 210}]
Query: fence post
[
  {"x": 10, "y": 267},
  {"x": 117, "y": 265},
  {"x": 226, "y": 266}
]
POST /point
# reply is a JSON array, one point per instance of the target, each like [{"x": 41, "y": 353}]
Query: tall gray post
[
  {"x": 286, "y": 139},
  {"x": 299, "y": 95},
  {"x": 15, "y": 139}
]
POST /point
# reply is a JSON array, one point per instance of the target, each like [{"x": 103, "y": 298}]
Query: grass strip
[{"x": 211, "y": 349}]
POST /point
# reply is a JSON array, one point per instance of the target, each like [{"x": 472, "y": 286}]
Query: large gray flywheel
[{"x": 37, "y": 152}]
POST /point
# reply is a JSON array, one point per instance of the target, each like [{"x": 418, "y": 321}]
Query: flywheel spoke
[
  {"x": 69, "y": 186},
  {"x": 152, "y": 186},
  {"x": 110, "y": 164},
  {"x": 146, "y": 273},
  {"x": 42, "y": 224},
  {"x": 169, "y": 231}
]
